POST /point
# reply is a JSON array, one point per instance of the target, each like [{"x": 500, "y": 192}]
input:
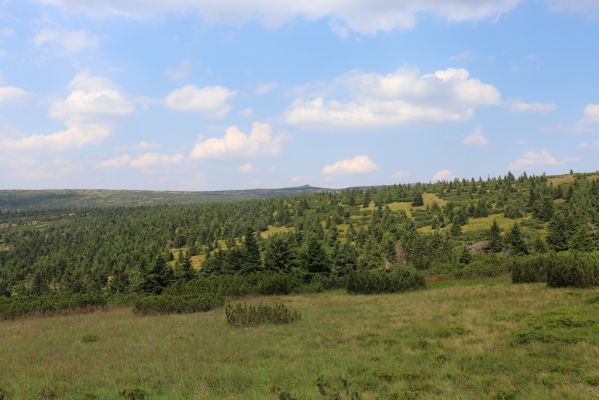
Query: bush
[
  {"x": 371, "y": 282},
  {"x": 169, "y": 304},
  {"x": 566, "y": 269},
  {"x": 242, "y": 314},
  {"x": 531, "y": 269},
  {"x": 15, "y": 307},
  {"x": 575, "y": 270}
]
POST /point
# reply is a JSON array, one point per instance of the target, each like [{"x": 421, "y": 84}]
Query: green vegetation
[
  {"x": 371, "y": 282},
  {"x": 488, "y": 339},
  {"x": 243, "y": 314},
  {"x": 474, "y": 338}
]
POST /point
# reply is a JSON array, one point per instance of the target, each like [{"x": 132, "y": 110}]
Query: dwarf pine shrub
[
  {"x": 169, "y": 304},
  {"x": 565, "y": 269},
  {"x": 243, "y": 314},
  {"x": 15, "y": 307},
  {"x": 372, "y": 282}
]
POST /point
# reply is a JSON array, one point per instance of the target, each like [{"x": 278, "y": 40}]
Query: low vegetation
[
  {"x": 371, "y": 282},
  {"x": 244, "y": 314},
  {"x": 462, "y": 339},
  {"x": 567, "y": 269},
  {"x": 16, "y": 307}
]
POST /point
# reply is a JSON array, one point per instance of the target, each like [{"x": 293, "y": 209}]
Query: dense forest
[{"x": 459, "y": 228}]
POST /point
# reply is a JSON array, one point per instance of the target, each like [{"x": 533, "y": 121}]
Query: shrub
[
  {"x": 169, "y": 304},
  {"x": 531, "y": 269},
  {"x": 566, "y": 269},
  {"x": 574, "y": 269},
  {"x": 371, "y": 282},
  {"x": 16, "y": 307},
  {"x": 242, "y": 314}
]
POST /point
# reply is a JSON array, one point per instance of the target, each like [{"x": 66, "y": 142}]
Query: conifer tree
[{"x": 495, "y": 243}]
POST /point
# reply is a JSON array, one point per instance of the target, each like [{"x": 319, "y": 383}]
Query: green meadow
[{"x": 477, "y": 339}]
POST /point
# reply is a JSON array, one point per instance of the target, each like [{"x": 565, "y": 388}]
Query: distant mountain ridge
[{"x": 13, "y": 200}]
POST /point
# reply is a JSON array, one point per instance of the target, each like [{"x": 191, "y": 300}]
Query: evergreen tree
[
  {"x": 465, "y": 256},
  {"x": 417, "y": 201},
  {"x": 315, "y": 258},
  {"x": 560, "y": 231},
  {"x": 515, "y": 241},
  {"x": 252, "y": 260},
  {"x": 585, "y": 239},
  {"x": 455, "y": 230},
  {"x": 495, "y": 242},
  {"x": 158, "y": 277},
  {"x": 278, "y": 256}
]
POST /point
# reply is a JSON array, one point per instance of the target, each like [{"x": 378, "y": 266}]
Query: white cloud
[
  {"x": 591, "y": 113},
  {"x": 143, "y": 161},
  {"x": 521, "y": 106},
  {"x": 210, "y": 101},
  {"x": 116, "y": 162},
  {"x": 179, "y": 72},
  {"x": 236, "y": 144},
  {"x": 476, "y": 138},
  {"x": 74, "y": 136},
  {"x": 588, "y": 8},
  {"x": 265, "y": 88},
  {"x": 88, "y": 112},
  {"x": 443, "y": 175},
  {"x": 148, "y": 160},
  {"x": 66, "y": 42},
  {"x": 400, "y": 97},
  {"x": 246, "y": 168},
  {"x": 533, "y": 159},
  {"x": 92, "y": 98},
  {"x": 9, "y": 94},
  {"x": 352, "y": 166},
  {"x": 363, "y": 16}
]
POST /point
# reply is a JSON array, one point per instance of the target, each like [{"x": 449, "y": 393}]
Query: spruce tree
[
  {"x": 252, "y": 259},
  {"x": 495, "y": 243},
  {"x": 516, "y": 242}
]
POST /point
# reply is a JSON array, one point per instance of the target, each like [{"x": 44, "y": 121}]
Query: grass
[
  {"x": 482, "y": 339},
  {"x": 482, "y": 224},
  {"x": 273, "y": 230}
]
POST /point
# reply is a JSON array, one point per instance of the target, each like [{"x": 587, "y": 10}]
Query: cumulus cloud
[
  {"x": 92, "y": 98},
  {"x": 476, "y": 138},
  {"x": 9, "y": 94},
  {"x": 352, "y": 166},
  {"x": 210, "y": 101},
  {"x": 533, "y": 159},
  {"x": 74, "y": 136},
  {"x": 400, "y": 97},
  {"x": 145, "y": 160},
  {"x": 66, "y": 42},
  {"x": 521, "y": 106},
  {"x": 362, "y": 16},
  {"x": 591, "y": 113},
  {"x": 236, "y": 144},
  {"x": 443, "y": 175},
  {"x": 88, "y": 112}
]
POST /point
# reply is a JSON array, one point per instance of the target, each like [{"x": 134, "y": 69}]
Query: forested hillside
[
  {"x": 460, "y": 228},
  {"x": 12, "y": 200}
]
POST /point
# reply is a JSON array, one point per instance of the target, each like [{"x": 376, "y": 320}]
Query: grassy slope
[{"x": 469, "y": 340}]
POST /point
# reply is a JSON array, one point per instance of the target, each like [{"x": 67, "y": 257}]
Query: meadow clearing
[{"x": 470, "y": 339}]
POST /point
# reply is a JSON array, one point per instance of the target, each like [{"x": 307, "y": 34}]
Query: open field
[{"x": 483, "y": 339}]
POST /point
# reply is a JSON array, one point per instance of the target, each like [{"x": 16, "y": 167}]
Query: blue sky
[{"x": 204, "y": 95}]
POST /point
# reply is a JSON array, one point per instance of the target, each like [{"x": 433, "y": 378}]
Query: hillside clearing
[{"x": 462, "y": 339}]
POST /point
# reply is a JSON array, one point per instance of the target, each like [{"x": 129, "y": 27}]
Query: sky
[{"x": 237, "y": 94}]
